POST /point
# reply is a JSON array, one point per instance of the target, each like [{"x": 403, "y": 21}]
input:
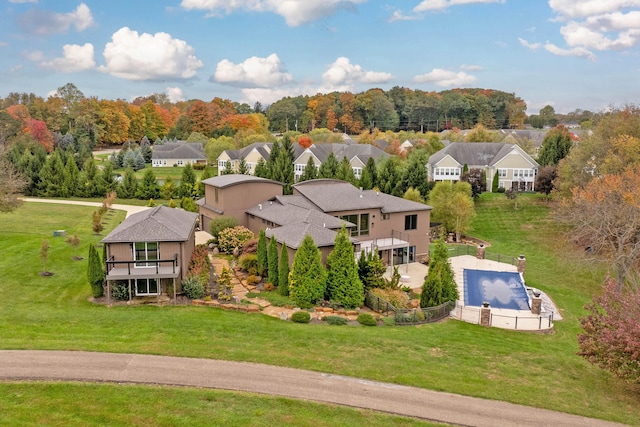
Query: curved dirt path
[
  {"x": 130, "y": 209},
  {"x": 273, "y": 380}
]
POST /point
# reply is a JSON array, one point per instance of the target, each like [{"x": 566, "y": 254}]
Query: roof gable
[{"x": 159, "y": 224}]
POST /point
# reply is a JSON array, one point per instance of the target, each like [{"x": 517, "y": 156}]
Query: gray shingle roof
[
  {"x": 476, "y": 154},
  {"x": 280, "y": 212},
  {"x": 335, "y": 196},
  {"x": 293, "y": 234},
  {"x": 179, "y": 150},
  {"x": 159, "y": 224},
  {"x": 223, "y": 181}
]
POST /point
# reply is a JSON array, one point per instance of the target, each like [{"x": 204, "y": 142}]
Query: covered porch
[{"x": 144, "y": 279}]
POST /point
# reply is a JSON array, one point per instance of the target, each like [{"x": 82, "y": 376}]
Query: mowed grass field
[{"x": 539, "y": 370}]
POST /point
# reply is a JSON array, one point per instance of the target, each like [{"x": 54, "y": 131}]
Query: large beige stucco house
[
  {"x": 397, "y": 228},
  {"x": 151, "y": 250},
  {"x": 179, "y": 153},
  {"x": 512, "y": 164}
]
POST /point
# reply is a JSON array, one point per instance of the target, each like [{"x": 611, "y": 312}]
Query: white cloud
[
  {"x": 253, "y": 72},
  {"x": 597, "y": 24},
  {"x": 446, "y": 78},
  {"x": 466, "y": 67},
  {"x": 576, "y": 51},
  {"x": 295, "y": 12},
  {"x": 399, "y": 16},
  {"x": 435, "y": 5},
  {"x": 23, "y": 1},
  {"x": 159, "y": 56},
  {"x": 583, "y": 8},
  {"x": 75, "y": 58},
  {"x": 45, "y": 22},
  {"x": 342, "y": 73},
  {"x": 175, "y": 94},
  {"x": 532, "y": 46}
]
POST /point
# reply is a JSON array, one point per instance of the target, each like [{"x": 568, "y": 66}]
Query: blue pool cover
[{"x": 501, "y": 289}]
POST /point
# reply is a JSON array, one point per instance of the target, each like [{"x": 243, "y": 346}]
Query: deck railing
[
  {"x": 156, "y": 263},
  {"x": 404, "y": 316}
]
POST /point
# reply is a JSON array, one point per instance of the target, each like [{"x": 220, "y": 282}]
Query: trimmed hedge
[
  {"x": 336, "y": 320},
  {"x": 367, "y": 320},
  {"x": 301, "y": 317}
]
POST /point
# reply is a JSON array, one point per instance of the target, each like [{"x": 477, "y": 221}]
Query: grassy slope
[{"x": 532, "y": 369}]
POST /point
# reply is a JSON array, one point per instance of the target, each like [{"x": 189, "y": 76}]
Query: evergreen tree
[
  {"x": 69, "y": 186},
  {"x": 439, "y": 285},
  {"x": 343, "y": 283},
  {"x": 310, "y": 171},
  {"x": 262, "y": 253},
  {"x": 308, "y": 275},
  {"x": 95, "y": 273},
  {"x": 145, "y": 149},
  {"x": 68, "y": 141},
  {"x": 555, "y": 146},
  {"x": 52, "y": 176},
  {"x": 94, "y": 185},
  {"x": 148, "y": 188},
  {"x": 415, "y": 175},
  {"x": 206, "y": 174},
  {"x": 282, "y": 168},
  {"x": 168, "y": 190},
  {"x": 139, "y": 160},
  {"x": 345, "y": 171},
  {"x": 272, "y": 260},
  {"x": 365, "y": 180},
  {"x": 128, "y": 188},
  {"x": 107, "y": 178},
  {"x": 390, "y": 177},
  {"x": 188, "y": 204},
  {"x": 329, "y": 167},
  {"x": 242, "y": 167},
  {"x": 283, "y": 271},
  {"x": 187, "y": 182},
  {"x": 371, "y": 170},
  {"x": 129, "y": 159},
  {"x": 261, "y": 169},
  {"x": 271, "y": 161},
  {"x": 495, "y": 184},
  {"x": 227, "y": 168}
]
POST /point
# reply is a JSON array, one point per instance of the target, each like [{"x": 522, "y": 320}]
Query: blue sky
[{"x": 566, "y": 53}]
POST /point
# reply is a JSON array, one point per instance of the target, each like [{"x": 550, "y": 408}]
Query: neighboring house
[
  {"x": 179, "y": 153},
  {"x": 357, "y": 154},
  {"x": 397, "y": 228},
  {"x": 151, "y": 250},
  {"x": 512, "y": 164}
]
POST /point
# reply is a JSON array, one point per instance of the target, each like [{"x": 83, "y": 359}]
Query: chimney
[{"x": 480, "y": 251}]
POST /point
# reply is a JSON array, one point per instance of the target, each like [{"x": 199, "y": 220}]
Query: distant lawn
[{"x": 527, "y": 368}]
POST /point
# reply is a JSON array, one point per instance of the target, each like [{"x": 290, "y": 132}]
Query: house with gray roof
[
  {"x": 512, "y": 164},
  {"x": 179, "y": 153},
  {"x": 150, "y": 251},
  {"x": 397, "y": 228},
  {"x": 356, "y": 154}
]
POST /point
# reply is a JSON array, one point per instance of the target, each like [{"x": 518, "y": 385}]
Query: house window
[
  {"x": 385, "y": 217},
  {"x": 147, "y": 287},
  {"x": 361, "y": 222},
  {"x": 357, "y": 172},
  {"x": 411, "y": 222},
  {"x": 164, "y": 163},
  {"x": 145, "y": 251},
  {"x": 180, "y": 163},
  {"x": 502, "y": 173},
  {"x": 222, "y": 165},
  {"x": 299, "y": 168}
]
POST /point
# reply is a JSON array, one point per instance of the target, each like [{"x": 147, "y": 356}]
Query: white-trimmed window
[
  {"x": 502, "y": 173},
  {"x": 299, "y": 168},
  {"x": 144, "y": 252},
  {"x": 180, "y": 163},
  {"x": 357, "y": 172}
]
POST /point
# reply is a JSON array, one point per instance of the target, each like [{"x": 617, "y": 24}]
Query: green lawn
[{"x": 532, "y": 369}]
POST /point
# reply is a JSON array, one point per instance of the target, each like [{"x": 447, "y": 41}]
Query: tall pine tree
[
  {"x": 439, "y": 285},
  {"x": 308, "y": 275},
  {"x": 283, "y": 271},
  {"x": 343, "y": 283},
  {"x": 263, "y": 262},
  {"x": 272, "y": 259}
]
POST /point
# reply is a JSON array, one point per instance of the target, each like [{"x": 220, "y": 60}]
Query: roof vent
[
  {"x": 324, "y": 225},
  {"x": 270, "y": 202},
  {"x": 260, "y": 206}
]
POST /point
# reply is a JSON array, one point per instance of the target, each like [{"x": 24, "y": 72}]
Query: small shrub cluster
[
  {"x": 301, "y": 317},
  {"x": 252, "y": 280},
  {"x": 221, "y": 223},
  {"x": 120, "y": 291},
  {"x": 199, "y": 166},
  {"x": 367, "y": 320},
  {"x": 336, "y": 320},
  {"x": 249, "y": 263},
  {"x": 200, "y": 263},
  {"x": 192, "y": 287},
  {"x": 231, "y": 238},
  {"x": 269, "y": 287},
  {"x": 395, "y": 297}
]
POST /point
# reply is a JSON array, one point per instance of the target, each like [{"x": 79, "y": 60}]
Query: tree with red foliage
[
  {"x": 305, "y": 142},
  {"x": 39, "y": 131},
  {"x": 611, "y": 337}
]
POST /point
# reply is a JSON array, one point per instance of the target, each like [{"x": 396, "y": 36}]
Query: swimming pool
[{"x": 501, "y": 289}]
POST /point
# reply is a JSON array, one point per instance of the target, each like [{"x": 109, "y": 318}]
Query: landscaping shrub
[
  {"x": 120, "y": 291},
  {"x": 336, "y": 320},
  {"x": 367, "y": 320},
  {"x": 248, "y": 262},
  {"x": 231, "y": 238},
  {"x": 395, "y": 297},
  {"x": 200, "y": 263},
  {"x": 277, "y": 300},
  {"x": 301, "y": 317},
  {"x": 220, "y": 223},
  {"x": 252, "y": 280},
  {"x": 269, "y": 287},
  {"x": 192, "y": 287},
  {"x": 389, "y": 321}
]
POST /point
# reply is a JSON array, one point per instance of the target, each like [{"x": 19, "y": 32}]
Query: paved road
[{"x": 272, "y": 380}]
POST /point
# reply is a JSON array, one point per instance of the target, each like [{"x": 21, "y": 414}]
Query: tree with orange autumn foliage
[
  {"x": 605, "y": 216},
  {"x": 305, "y": 142}
]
